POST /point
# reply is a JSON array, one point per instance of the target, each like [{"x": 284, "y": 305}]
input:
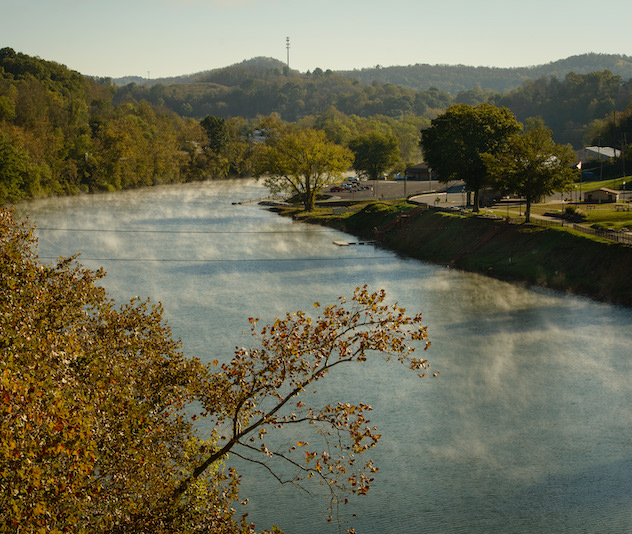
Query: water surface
[{"x": 526, "y": 429}]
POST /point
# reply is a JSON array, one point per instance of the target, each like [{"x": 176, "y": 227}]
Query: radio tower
[{"x": 287, "y": 45}]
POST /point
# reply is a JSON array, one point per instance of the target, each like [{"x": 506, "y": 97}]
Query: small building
[
  {"x": 421, "y": 171},
  {"x": 597, "y": 153},
  {"x": 603, "y": 194}
]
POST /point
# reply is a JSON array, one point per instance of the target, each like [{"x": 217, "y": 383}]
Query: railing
[{"x": 612, "y": 235}]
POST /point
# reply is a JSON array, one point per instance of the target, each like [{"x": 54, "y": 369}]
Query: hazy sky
[{"x": 172, "y": 37}]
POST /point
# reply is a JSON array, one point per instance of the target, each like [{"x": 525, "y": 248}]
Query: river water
[{"x": 527, "y": 428}]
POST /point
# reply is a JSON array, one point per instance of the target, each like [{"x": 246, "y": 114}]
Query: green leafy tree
[
  {"x": 99, "y": 408},
  {"x": 532, "y": 165},
  {"x": 14, "y": 165},
  {"x": 455, "y": 142},
  {"x": 302, "y": 162},
  {"x": 217, "y": 133},
  {"x": 93, "y": 435},
  {"x": 374, "y": 153}
]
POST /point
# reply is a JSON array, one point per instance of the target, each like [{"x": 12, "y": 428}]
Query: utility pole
[{"x": 623, "y": 147}]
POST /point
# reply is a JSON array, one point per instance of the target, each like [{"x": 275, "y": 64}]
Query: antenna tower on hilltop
[{"x": 287, "y": 45}]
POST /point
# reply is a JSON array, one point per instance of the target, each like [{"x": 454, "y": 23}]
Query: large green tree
[
  {"x": 302, "y": 163},
  {"x": 100, "y": 411},
  {"x": 374, "y": 153},
  {"x": 455, "y": 142},
  {"x": 216, "y": 130},
  {"x": 14, "y": 166},
  {"x": 532, "y": 165}
]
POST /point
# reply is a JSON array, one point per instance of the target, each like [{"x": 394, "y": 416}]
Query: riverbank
[{"x": 556, "y": 258}]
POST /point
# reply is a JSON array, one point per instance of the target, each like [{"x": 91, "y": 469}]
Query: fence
[
  {"x": 605, "y": 233},
  {"x": 612, "y": 235}
]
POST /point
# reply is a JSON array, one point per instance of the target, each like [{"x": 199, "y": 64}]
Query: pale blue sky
[{"x": 172, "y": 37}]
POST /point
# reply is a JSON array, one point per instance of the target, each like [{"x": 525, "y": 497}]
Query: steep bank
[{"x": 556, "y": 258}]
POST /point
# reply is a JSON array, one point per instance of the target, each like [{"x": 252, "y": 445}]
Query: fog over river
[{"x": 527, "y": 428}]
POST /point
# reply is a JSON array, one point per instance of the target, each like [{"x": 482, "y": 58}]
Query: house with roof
[
  {"x": 601, "y": 195},
  {"x": 421, "y": 171},
  {"x": 597, "y": 153}
]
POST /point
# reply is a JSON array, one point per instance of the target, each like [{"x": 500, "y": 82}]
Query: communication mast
[{"x": 287, "y": 45}]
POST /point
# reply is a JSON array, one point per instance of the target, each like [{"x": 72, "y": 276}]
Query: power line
[
  {"x": 212, "y": 260},
  {"x": 131, "y": 231}
]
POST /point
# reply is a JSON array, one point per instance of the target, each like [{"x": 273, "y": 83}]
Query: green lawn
[
  {"x": 616, "y": 184},
  {"x": 604, "y": 214}
]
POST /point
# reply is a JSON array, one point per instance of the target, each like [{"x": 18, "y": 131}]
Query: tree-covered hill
[
  {"x": 454, "y": 79},
  {"x": 250, "y": 90},
  {"x": 571, "y": 106},
  {"x": 61, "y": 133},
  {"x": 225, "y": 75},
  {"x": 568, "y": 102}
]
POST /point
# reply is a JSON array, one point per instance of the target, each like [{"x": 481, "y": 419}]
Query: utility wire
[
  {"x": 121, "y": 230},
  {"x": 211, "y": 260}
]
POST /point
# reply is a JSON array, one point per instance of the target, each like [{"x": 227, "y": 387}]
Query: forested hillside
[
  {"x": 63, "y": 133},
  {"x": 573, "y": 105},
  {"x": 456, "y": 78},
  {"x": 250, "y": 89}
]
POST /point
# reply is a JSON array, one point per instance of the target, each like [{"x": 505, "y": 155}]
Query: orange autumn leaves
[{"x": 100, "y": 413}]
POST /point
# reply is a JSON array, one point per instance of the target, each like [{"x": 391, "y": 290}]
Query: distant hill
[
  {"x": 451, "y": 79},
  {"x": 568, "y": 94},
  {"x": 456, "y": 78},
  {"x": 249, "y": 68}
]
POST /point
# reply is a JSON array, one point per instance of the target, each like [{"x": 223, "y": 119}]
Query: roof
[
  {"x": 606, "y": 151},
  {"x": 418, "y": 167},
  {"x": 604, "y": 189}
]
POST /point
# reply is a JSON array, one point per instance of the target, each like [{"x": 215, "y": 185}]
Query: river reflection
[{"x": 526, "y": 428}]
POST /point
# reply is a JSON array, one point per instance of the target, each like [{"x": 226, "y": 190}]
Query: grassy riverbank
[{"x": 557, "y": 258}]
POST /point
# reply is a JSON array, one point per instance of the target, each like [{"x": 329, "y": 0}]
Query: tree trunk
[
  {"x": 309, "y": 202},
  {"x": 527, "y": 211},
  {"x": 475, "y": 207}
]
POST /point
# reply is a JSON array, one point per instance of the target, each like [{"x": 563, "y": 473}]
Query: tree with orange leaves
[{"x": 101, "y": 414}]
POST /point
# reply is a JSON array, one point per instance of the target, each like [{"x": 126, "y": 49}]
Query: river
[{"x": 527, "y": 428}]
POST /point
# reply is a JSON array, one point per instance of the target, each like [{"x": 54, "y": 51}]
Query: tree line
[
  {"x": 63, "y": 133},
  {"x": 570, "y": 103},
  {"x": 455, "y": 79}
]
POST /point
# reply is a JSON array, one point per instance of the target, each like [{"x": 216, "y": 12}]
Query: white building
[{"x": 599, "y": 153}]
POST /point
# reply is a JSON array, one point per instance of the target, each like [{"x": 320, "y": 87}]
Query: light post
[{"x": 581, "y": 179}]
